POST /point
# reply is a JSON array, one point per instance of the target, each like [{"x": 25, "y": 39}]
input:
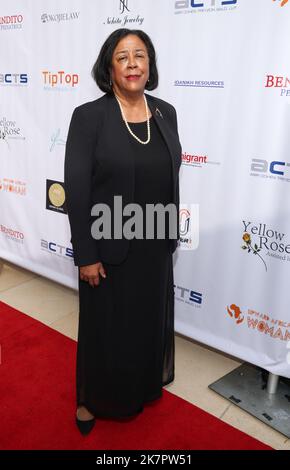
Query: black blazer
[{"x": 98, "y": 166}]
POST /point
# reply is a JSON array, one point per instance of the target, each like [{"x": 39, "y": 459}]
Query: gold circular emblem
[{"x": 56, "y": 194}]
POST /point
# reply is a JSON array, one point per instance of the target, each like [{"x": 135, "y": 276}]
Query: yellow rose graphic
[
  {"x": 247, "y": 238},
  {"x": 248, "y": 246}
]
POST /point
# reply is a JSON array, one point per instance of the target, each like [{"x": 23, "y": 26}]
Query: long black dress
[{"x": 126, "y": 324}]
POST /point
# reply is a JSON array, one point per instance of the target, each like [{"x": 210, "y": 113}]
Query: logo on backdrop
[
  {"x": 189, "y": 226},
  {"x": 56, "y": 141},
  {"x": 11, "y": 234},
  {"x": 260, "y": 322},
  {"x": 262, "y": 242},
  {"x": 282, "y": 83},
  {"x": 11, "y": 22},
  {"x": 281, "y": 2},
  {"x": 55, "y": 196},
  {"x": 59, "y": 81},
  {"x": 9, "y": 131},
  {"x": 235, "y": 313},
  {"x": 56, "y": 249},
  {"x": 13, "y": 186},
  {"x": 193, "y": 160},
  {"x": 3, "y": 137},
  {"x": 188, "y": 296},
  {"x": 123, "y": 18},
  {"x": 124, "y": 6},
  {"x": 274, "y": 170},
  {"x": 200, "y": 83},
  {"x": 250, "y": 248},
  {"x": 207, "y": 6},
  {"x": 197, "y": 161},
  {"x": 58, "y": 17},
  {"x": 13, "y": 79}
]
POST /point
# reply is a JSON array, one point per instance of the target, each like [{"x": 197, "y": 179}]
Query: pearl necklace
[{"x": 128, "y": 127}]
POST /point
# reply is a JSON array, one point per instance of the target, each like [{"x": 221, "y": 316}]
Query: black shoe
[{"x": 85, "y": 427}]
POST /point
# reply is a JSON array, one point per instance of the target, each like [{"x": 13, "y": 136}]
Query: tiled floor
[{"x": 196, "y": 365}]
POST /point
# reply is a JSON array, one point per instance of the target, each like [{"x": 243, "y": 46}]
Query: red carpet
[{"x": 37, "y": 402}]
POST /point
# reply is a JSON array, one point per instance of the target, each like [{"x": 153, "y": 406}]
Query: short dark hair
[{"x": 101, "y": 68}]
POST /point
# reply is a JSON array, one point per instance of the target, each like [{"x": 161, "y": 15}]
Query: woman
[{"x": 122, "y": 144}]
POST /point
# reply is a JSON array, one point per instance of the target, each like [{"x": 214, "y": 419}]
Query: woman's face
[{"x": 130, "y": 65}]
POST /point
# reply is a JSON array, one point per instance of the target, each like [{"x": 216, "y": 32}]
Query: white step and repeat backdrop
[{"x": 225, "y": 65}]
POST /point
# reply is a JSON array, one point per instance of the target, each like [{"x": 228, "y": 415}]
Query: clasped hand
[{"x": 92, "y": 273}]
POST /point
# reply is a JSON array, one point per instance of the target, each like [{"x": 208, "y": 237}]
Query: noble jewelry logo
[
  {"x": 124, "y": 6},
  {"x": 123, "y": 19},
  {"x": 267, "y": 242},
  {"x": 207, "y": 6},
  {"x": 260, "y": 323}
]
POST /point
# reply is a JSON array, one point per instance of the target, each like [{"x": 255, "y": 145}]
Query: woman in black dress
[{"x": 125, "y": 143}]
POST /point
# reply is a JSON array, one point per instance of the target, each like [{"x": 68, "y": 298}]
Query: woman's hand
[{"x": 91, "y": 273}]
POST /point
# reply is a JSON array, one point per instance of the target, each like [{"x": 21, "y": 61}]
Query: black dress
[{"x": 126, "y": 324}]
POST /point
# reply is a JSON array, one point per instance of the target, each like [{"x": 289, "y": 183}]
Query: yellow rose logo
[{"x": 250, "y": 249}]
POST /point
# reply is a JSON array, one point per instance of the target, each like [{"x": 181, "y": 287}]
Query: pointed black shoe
[{"x": 85, "y": 427}]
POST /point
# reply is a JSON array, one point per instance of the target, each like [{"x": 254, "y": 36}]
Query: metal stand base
[{"x": 246, "y": 387}]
